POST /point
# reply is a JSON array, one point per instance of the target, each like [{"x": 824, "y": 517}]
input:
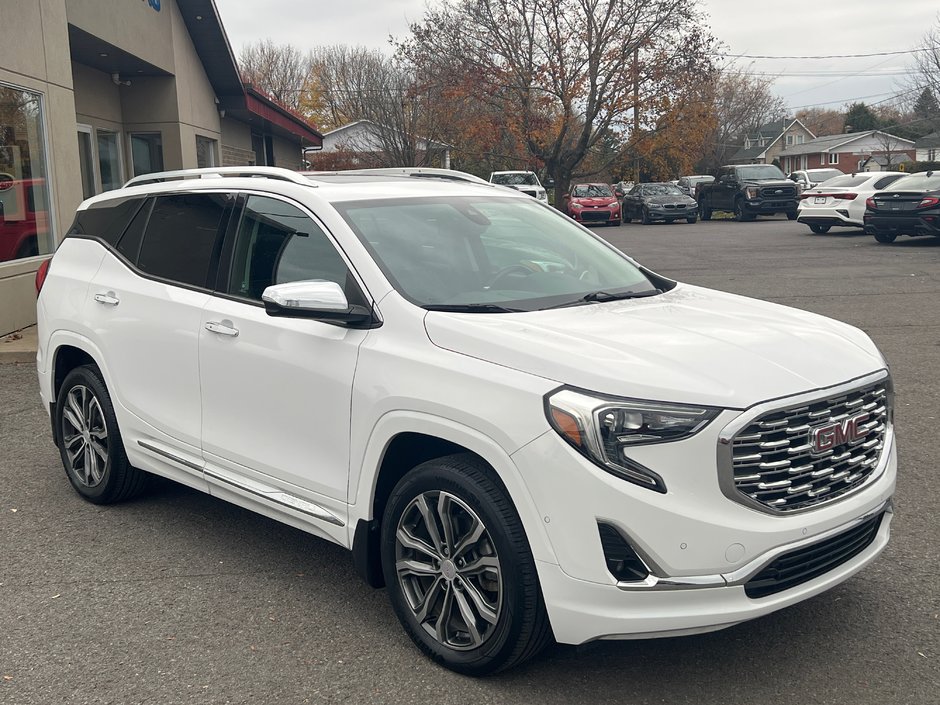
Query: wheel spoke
[
  {"x": 430, "y": 523},
  {"x": 86, "y": 464},
  {"x": 468, "y": 617},
  {"x": 410, "y": 567},
  {"x": 406, "y": 539},
  {"x": 444, "y": 506},
  {"x": 94, "y": 469},
  {"x": 73, "y": 454},
  {"x": 440, "y": 627},
  {"x": 76, "y": 418},
  {"x": 70, "y": 439},
  {"x": 430, "y": 597},
  {"x": 485, "y": 610},
  {"x": 100, "y": 450},
  {"x": 481, "y": 564},
  {"x": 471, "y": 537}
]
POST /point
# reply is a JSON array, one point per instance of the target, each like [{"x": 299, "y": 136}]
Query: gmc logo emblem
[{"x": 826, "y": 438}]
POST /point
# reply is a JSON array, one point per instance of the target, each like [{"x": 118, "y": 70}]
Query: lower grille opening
[
  {"x": 622, "y": 561},
  {"x": 804, "y": 564}
]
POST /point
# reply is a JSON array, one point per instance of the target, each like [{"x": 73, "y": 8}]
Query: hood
[
  {"x": 673, "y": 198},
  {"x": 689, "y": 345},
  {"x": 769, "y": 182},
  {"x": 599, "y": 201}
]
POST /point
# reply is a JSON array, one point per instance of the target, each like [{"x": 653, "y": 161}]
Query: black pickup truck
[{"x": 748, "y": 190}]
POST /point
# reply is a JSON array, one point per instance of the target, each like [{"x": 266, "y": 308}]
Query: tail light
[
  {"x": 41, "y": 274},
  {"x": 928, "y": 202},
  {"x": 845, "y": 196},
  {"x": 871, "y": 205}
]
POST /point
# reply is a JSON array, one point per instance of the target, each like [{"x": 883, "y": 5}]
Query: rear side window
[
  {"x": 881, "y": 183},
  {"x": 181, "y": 237},
  {"x": 106, "y": 219}
]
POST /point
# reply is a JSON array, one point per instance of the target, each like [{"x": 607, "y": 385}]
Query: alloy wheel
[
  {"x": 85, "y": 436},
  {"x": 448, "y": 570}
]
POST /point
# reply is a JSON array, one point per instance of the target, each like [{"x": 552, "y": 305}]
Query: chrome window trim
[{"x": 726, "y": 436}]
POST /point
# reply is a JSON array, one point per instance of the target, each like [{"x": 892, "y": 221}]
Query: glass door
[
  {"x": 86, "y": 162},
  {"x": 109, "y": 160}
]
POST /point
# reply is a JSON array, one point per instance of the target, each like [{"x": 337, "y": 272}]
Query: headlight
[
  {"x": 752, "y": 192},
  {"x": 604, "y": 430},
  {"x": 613, "y": 203},
  {"x": 576, "y": 205}
]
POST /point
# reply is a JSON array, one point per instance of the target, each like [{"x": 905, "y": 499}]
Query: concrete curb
[{"x": 19, "y": 347}]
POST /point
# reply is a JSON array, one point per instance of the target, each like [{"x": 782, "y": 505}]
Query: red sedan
[{"x": 593, "y": 203}]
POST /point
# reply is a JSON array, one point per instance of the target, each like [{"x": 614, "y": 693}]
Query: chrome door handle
[
  {"x": 222, "y": 328},
  {"x": 108, "y": 299}
]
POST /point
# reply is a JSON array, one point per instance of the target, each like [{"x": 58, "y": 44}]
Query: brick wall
[{"x": 236, "y": 156}]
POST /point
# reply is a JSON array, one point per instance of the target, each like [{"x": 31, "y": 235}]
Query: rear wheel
[
  {"x": 459, "y": 570},
  {"x": 885, "y": 238},
  {"x": 791, "y": 215},
  {"x": 819, "y": 229},
  {"x": 90, "y": 442},
  {"x": 704, "y": 212}
]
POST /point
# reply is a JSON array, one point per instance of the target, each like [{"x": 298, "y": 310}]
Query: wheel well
[{"x": 67, "y": 358}]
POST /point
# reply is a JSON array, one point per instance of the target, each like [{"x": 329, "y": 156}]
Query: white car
[
  {"x": 524, "y": 181},
  {"x": 841, "y": 201},
  {"x": 810, "y": 178},
  {"x": 518, "y": 430}
]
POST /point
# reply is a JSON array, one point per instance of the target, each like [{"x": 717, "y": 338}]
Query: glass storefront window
[
  {"x": 24, "y": 194},
  {"x": 205, "y": 152},
  {"x": 109, "y": 160},
  {"x": 146, "y": 152}
]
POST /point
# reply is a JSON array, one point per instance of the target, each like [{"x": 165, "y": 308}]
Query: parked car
[
  {"x": 689, "y": 184},
  {"x": 747, "y": 191},
  {"x": 909, "y": 206},
  {"x": 525, "y": 181},
  {"x": 514, "y": 427},
  {"x": 811, "y": 178},
  {"x": 841, "y": 201},
  {"x": 655, "y": 201},
  {"x": 593, "y": 203},
  {"x": 23, "y": 218}
]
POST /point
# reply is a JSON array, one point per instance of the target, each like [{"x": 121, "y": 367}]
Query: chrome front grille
[
  {"x": 800, "y": 456},
  {"x": 778, "y": 192}
]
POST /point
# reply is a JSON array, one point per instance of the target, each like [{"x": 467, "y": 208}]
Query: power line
[{"x": 826, "y": 56}]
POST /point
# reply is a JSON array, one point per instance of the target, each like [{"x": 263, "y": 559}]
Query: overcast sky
[{"x": 801, "y": 28}]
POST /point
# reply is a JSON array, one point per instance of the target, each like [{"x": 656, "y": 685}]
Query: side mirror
[
  {"x": 567, "y": 195},
  {"x": 316, "y": 299}
]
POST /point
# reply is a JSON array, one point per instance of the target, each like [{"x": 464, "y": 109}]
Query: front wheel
[
  {"x": 459, "y": 570},
  {"x": 647, "y": 220},
  {"x": 90, "y": 442},
  {"x": 819, "y": 229},
  {"x": 704, "y": 212},
  {"x": 885, "y": 238},
  {"x": 740, "y": 214},
  {"x": 690, "y": 221}
]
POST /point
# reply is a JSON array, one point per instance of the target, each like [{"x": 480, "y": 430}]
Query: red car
[
  {"x": 593, "y": 203},
  {"x": 23, "y": 218}
]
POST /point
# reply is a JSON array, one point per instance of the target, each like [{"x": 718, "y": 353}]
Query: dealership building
[{"x": 94, "y": 92}]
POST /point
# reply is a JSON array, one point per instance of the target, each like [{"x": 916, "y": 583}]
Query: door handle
[
  {"x": 222, "y": 328},
  {"x": 108, "y": 299}
]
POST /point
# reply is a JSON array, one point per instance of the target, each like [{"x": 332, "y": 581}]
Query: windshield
[
  {"x": 925, "y": 181},
  {"x": 486, "y": 251},
  {"x": 819, "y": 175},
  {"x": 592, "y": 191},
  {"x": 660, "y": 190},
  {"x": 848, "y": 181},
  {"x": 525, "y": 178},
  {"x": 760, "y": 171}
]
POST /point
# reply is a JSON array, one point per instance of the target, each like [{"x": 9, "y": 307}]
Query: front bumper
[
  {"x": 691, "y": 211},
  {"x": 770, "y": 207},
  {"x": 596, "y": 215},
  {"x": 701, "y": 547}
]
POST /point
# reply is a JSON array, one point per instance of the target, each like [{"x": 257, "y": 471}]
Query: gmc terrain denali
[{"x": 518, "y": 430}]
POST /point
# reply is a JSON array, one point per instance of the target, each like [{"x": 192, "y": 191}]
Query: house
[
  {"x": 763, "y": 145},
  {"x": 928, "y": 148},
  {"x": 848, "y": 152},
  {"x": 364, "y": 144},
  {"x": 94, "y": 92}
]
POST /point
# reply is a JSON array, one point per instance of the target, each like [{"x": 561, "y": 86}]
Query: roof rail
[{"x": 267, "y": 172}]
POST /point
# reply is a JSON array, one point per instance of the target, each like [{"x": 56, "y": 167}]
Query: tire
[
  {"x": 626, "y": 219},
  {"x": 704, "y": 212},
  {"x": 791, "y": 215},
  {"x": 505, "y": 601},
  {"x": 90, "y": 443},
  {"x": 646, "y": 217},
  {"x": 691, "y": 221},
  {"x": 885, "y": 238},
  {"x": 819, "y": 229},
  {"x": 739, "y": 214}
]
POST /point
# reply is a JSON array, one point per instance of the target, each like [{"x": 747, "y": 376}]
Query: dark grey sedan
[{"x": 650, "y": 201}]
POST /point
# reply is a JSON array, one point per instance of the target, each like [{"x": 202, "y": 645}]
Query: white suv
[
  {"x": 520, "y": 431},
  {"x": 524, "y": 181}
]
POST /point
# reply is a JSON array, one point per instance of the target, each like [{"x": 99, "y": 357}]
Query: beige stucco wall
[
  {"x": 34, "y": 55},
  {"x": 129, "y": 24}
]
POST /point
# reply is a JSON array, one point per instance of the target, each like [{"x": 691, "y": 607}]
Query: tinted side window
[
  {"x": 881, "y": 183},
  {"x": 106, "y": 219},
  {"x": 278, "y": 243},
  {"x": 129, "y": 244},
  {"x": 181, "y": 237}
]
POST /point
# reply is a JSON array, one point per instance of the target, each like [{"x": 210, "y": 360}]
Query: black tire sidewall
[{"x": 442, "y": 475}]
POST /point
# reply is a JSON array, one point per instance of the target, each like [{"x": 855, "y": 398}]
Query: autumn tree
[
  {"x": 281, "y": 71},
  {"x": 741, "y": 102},
  {"x": 562, "y": 74},
  {"x": 821, "y": 121}
]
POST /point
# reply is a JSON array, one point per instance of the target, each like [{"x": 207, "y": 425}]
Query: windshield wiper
[
  {"x": 605, "y": 296},
  {"x": 471, "y": 308}
]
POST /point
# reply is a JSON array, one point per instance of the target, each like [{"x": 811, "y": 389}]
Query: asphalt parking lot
[{"x": 179, "y": 597}]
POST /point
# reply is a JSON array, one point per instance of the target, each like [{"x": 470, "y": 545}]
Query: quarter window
[
  {"x": 278, "y": 243},
  {"x": 181, "y": 237}
]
